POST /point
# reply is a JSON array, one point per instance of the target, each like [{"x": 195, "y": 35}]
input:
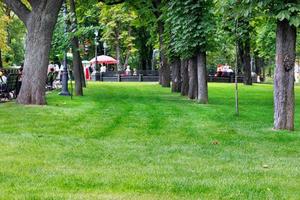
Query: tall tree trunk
[
  {"x": 77, "y": 62},
  {"x": 176, "y": 76},
  {"x": 193, "y": 79},
  {"x": 77, "y": 67},
  {"x": 36, "y": 63},
  {"x": 202, "y": 78},
  {"x": 245, "y": 60},
  {"x": 244, "y": 51},
  {"x": 40, "y": 22},
  {"x": 184, "y": 78},
  {"x": 284, "y": 99},
  {"x": 165, "y": 74},
  {"x": 1, "y": 63}
]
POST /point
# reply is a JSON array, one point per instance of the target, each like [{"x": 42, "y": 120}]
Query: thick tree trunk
[
  {"x": 176, "y": 76},
  {"x": 40, "y": 22},
  {"x": 202, "y": 78},
  {"x": 193, "y": 79},
  {"x": 77, "y": 62},
  {"x": 1, "y": 63},
  {"x": 184, "y": 78},
  {"x": 165, "y": 74},
  {"x": 36, "y": 63},
  {"x": 284, "y": 99}
]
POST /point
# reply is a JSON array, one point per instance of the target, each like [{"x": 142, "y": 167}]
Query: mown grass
[{"x": 139, "y": 141}]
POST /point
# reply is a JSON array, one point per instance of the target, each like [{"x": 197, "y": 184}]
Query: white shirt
[{"x": 3, "y": 79}]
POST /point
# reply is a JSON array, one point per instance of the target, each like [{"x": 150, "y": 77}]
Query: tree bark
[
  {"x": 40, "y": 22},
  {"x": 164, "y": 70},
  {"x": 184, "y": 78},
  {"x": 244, "y": 50},
  {"x": 176, "y": 76},
  {"x": 193, "y": 79},
  {"x": 284, "y": 98},
  {"x": 77, "y": 62},
  {"x": 245, "y": 59},
  {"x": 202, "y": 78},
  {"x": 165, "y": 74}
]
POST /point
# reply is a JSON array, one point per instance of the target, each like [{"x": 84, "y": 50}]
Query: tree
[
  {"x": 3, "y": 36},
  {"x": 118, "y": 21},
  {"x": 191, "y": 26},
  {"x": 237, "y": 16},
  {"x": 243, "y": 43},
  {"x": 184, "y": 78},
  {"x": 164, "y": 71},
  {"x": 176, "y": 74},
  {"x": 39, "y": 20},
  {"x": 77, "y": 61},
  {"x": 287, "y": 13}
]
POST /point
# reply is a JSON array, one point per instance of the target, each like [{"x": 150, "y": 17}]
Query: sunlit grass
[{"x": 139, "y": 141}]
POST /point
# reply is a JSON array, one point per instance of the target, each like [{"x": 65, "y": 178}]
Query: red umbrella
[{"x": 104, "y": 60}]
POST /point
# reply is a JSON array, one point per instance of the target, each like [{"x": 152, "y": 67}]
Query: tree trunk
[
  {"x": 193, "y": 79},
  {"x": 40, "y": 22},
  {"x": 176, "y": 76},
  {"x": 118, "y": 50},
  {"x": 83, "y": 82},
  {"x": 1, "y": 63},
  {"x": 77, "y": 67},
  {"x": 165, "y": 74},
  {"x": 184, "y": 78},
  {"x": 77, "y": 62},
  {"x": 127, "y": 58},
  {"x": 247, "y": 62},
  {"x": 38, "y": 43},
  {"x": 245, "y": 59},
  {"x": 284, "y": 99},
  {"x": 202, "y": 78}
]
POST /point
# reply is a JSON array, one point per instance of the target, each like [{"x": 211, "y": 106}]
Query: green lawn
[{"x": 139, "y": 141}]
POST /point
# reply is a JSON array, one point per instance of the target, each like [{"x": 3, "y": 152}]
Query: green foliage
[
  {"x": 60, "y": 39},
  {"x": 3, "y": 33},
  {"x": 191, "y": 26},
  {"x": 282, "y": 10},
  {"x": 12, "y": 38},
  {"x": 265, "y": 37},
  {"x": 15, "y": 42},
  {"x": 117, "y": 22}
]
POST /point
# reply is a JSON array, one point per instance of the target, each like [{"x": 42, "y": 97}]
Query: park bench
[{"x": 7, "y": 91}]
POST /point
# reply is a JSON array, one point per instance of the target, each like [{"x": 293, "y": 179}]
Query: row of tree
[
  {"x": 189, "y": 34},
  {"x": 190, "y": 25}
]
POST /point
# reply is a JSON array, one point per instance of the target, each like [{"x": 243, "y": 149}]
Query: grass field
[{"x": 139, "y": 141}]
